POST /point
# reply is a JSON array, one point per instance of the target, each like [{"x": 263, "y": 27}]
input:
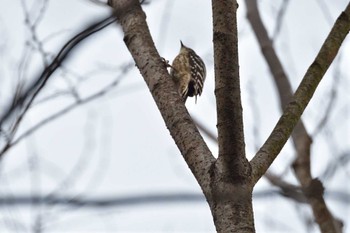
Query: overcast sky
[{"x": 118, "y": 145}]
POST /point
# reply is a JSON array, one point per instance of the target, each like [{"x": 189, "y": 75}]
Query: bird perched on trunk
[{"x": 188, "y": 71}]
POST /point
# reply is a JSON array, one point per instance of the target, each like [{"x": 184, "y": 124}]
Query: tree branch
[
  {"x": 292, "y": 113},
  {"x": 177, "y": 119},
  {"x": 227, "y": 91},
  {"x": 26, "y": 98},
  {"x": 301, "y": 139},
  {"x": 59, "y": 113},
  {"x": 231, "y": 184}
]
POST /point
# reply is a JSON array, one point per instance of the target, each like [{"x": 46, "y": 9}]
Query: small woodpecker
[{"x": 188, "y": 72}]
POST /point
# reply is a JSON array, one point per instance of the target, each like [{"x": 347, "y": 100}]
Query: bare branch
[
  {"x": 335, "y": 165},
  {"x": 205, "y": 130},
  {"x": 301, "y": 139},
  {"x": 292, "y": 114},
  {"x": 227, "y": 91},
  {"x": 279, "y": 20},
  {"x": 302, "y": 96},
  {"x": 288, "y": 190},
  {"x": 102, "y": 202},
  {"x": 231, "y": 176},
  {"x": 177, "y": 119},
  {"x": 295, "y": 108},
  {"x": 27, "y": 97},
  {"x": 332, "y": 98},
  {"x": 63, "y": 111}
]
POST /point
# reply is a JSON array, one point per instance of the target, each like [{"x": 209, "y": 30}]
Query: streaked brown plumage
[{"x": 188, "y": 71}]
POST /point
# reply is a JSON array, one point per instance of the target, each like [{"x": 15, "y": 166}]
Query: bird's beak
[{"x": 182, "y": 45}]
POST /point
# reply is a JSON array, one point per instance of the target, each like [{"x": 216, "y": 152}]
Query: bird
[{"x": 188, "y": 72}]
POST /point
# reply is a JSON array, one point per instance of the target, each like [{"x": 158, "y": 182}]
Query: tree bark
[
  {"x": 231, "y": 203},
  {"x": 176, "y": 117}
]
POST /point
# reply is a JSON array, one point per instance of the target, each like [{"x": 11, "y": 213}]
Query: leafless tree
[{"x": 226, "y": 180}]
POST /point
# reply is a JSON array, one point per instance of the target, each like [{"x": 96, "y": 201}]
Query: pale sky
[{"x": 118, "y": 145}]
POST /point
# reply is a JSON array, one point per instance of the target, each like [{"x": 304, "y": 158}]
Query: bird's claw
[{"x": 166, "y": 63}]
